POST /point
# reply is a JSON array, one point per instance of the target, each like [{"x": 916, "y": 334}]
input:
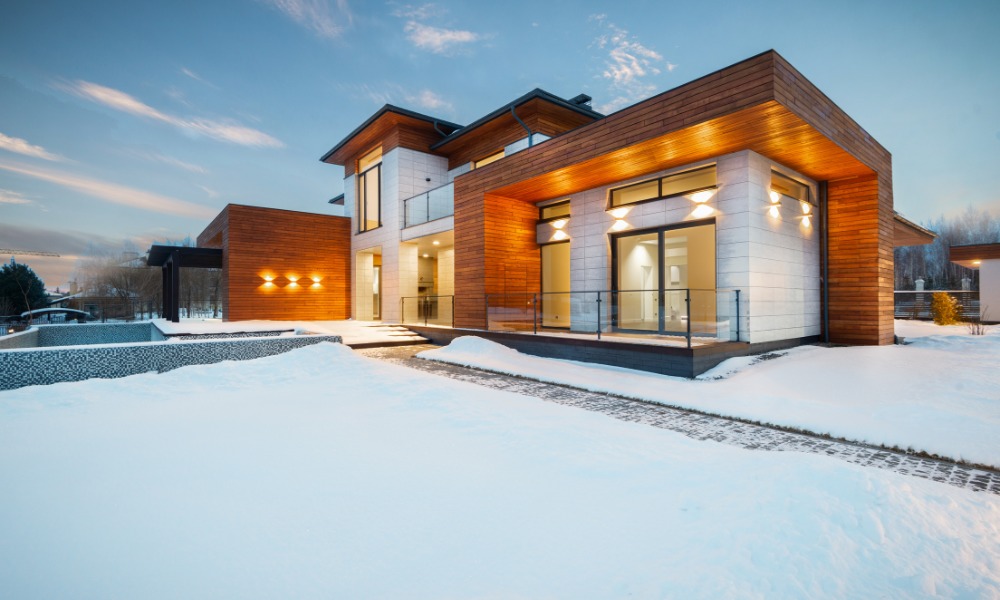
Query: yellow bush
[{"x": 944, "y": 309}]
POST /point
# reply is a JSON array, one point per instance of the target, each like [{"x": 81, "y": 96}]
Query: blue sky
[{"x": 138, "y": 121}]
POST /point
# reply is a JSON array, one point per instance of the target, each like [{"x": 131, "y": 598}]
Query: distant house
[
  {"x": 986, "y": 259},
  {"x": 744, "y": 205}
]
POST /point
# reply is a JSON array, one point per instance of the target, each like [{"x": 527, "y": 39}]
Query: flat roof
[
  {"x": 201, "y": 258},
  {"x": 908, "y": 233},
  {"x": 972, "y": 255}
]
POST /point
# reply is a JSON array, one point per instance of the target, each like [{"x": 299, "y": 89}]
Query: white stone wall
[
  {"x": 989, "y": 290},
  {"x": 405, "y": 173},
  {"x": 773, "y": 262}
]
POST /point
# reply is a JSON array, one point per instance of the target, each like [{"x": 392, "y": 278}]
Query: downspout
[
  {"x": 824, "y": 216},
  {"x": 531, "y": 134},
  {"x": 438, "y": 129}
]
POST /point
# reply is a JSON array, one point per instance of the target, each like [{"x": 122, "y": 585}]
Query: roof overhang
[
  {"x": 972, "y": 255},
  {"x": 908, "y": 233},
  {"x": 534, "y": 101},
  {"x": 376, "y": 126},
  {"x": 186, "y": 256}
]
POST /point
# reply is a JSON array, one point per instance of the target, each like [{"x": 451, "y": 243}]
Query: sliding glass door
[{"x": 658, "y": 271}]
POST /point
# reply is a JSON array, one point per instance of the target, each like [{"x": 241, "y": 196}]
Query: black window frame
[
  {"x": 541, "y": 209},
  {"x": 659, "y": 182},
  {"x": 361, "y": 201}
]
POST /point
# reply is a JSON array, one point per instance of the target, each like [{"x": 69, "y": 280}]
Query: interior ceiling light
[
  {"x": 436, "y": 243},
  {"x": 425, "y": 255}
]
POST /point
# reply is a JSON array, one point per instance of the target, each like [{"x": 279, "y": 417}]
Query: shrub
[
  {"x": 944, "y": 309},
  {"x": 976, "y": 325}
]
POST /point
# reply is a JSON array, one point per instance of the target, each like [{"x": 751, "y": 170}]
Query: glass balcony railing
[
  {"x": 690, "y": 315},
  {"x": 429, "y": 206},
  {"x": 428, "y": 310}
]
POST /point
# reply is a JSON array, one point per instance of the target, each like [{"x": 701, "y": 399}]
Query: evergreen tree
[{"x": 20, "y": 289}]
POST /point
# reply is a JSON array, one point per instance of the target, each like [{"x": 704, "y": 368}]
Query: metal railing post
[
  {"x": 453, "y": 312},
  {"x": 687, "y": 301},
  {"x": 737, "y": 315},
  {"x": 427, "y": 309},
  {"x": 534, "y": 313},
  {"x": 402, "y": 310},
  {"x": 598, "y": 315},
  {"x": 487, "y": 301}
]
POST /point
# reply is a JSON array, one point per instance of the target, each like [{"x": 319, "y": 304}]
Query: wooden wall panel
[
  {"x": 281, "y": 243},
  {"x": 860, "y": 262}
]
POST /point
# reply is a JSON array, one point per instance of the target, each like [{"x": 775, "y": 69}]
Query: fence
[
  {"x": 685, "y": 313},
  {"x": 430, "y": 205},
  {"x": 428, "y": 310},
  {"x": 917, "y": 305}
]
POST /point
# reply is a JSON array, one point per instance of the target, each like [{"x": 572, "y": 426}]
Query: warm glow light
[
  {"x": 619, "y": 225},
  {"x": 559, "y": 224},
  {"x": 268, "y": 284},
  {"x": 436, "y": 243},
  {"x": 806, "y": 208},
  {"x": 773, "y": 211},
  {"x": 317, "y": 279},
  {"x": 701, "y": 211},
  {"x": 559, "y": 235},
  {"x": 702, "y": 196},
  {"x": 977, "y": 262},
  {"x": 619, "y": 213},
  {"x": 425, "y": 255},
  {"x": 269, "y": 278},
  {"x": 806, "y": 222},
  {"x": 293, "y": 278},
  {"x": 775, "y": 197}
]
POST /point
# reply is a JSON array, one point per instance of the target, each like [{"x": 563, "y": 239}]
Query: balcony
[{"x": 429, "y": 206}]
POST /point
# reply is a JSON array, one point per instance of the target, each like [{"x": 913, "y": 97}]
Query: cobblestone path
[{"x": 700, "y": 426}]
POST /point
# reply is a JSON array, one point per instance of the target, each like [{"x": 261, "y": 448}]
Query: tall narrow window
[{"x": 369, "y": 202}]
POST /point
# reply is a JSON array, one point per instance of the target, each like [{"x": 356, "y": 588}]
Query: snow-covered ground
[
  {"x": 938, "y": 394},
  {"x": 323, "y": 474},
  {"x": 352, "y": 332}
]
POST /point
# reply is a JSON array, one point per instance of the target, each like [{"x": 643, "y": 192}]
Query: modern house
[{"x": 744, "y": 207}]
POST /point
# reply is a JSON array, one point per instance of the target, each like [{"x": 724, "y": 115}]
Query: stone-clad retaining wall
[
  {"x": 23, "y": 339},
  {"x": 94, "y": 333},
  {"x": 41, "y": 366}
]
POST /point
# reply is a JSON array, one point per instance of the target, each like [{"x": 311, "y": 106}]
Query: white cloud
[
  {"x": 209, "y": 191},
  {"x": 437, "y": 39},
  {"x": 390, "y": 93},
  {"x": 628, "y": 66},
  {"x": 174, "y": 162},
  {"x": 12, "y": 197},
  {"x": 430, "y": 101},
  {"x": 417, "y": 13},
  {"x": 114, "y": 193},
  {"x": 189, "y": 73},
  {"x": 13, "y": 144},
  {"x": 226, "y": 131},
  {"x": 317, "y": 16}
]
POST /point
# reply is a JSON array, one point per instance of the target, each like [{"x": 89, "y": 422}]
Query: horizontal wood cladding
[
  {"x": 390, "y": 131},
  {"x": 861, "y": 233},
  {"x": 504, "y": 262},
  {"x": 539, "y": 115},
  {"x": 285, "y": 244}
]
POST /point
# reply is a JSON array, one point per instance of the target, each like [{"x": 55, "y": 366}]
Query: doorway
[{"x": 664, "y": 278}]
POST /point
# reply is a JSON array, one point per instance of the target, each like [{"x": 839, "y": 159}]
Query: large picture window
[
  {"x": 369, "y": 201},
  {"x": 676, "y": 184}
]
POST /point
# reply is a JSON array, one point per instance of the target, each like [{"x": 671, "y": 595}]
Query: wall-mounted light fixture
[{"x": 775, "y": 204}]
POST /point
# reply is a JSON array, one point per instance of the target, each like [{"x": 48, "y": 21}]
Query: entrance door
[{"x": 658, "y": 272}]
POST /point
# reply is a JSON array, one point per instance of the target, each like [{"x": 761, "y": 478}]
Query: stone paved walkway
[{"x": 702, "y": 427}]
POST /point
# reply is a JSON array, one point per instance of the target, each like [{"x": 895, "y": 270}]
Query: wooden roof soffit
[
  {"x": 370, "y": 133},
  {"x": 971, "y": 256},
  {"x": 908, "y": 233}
]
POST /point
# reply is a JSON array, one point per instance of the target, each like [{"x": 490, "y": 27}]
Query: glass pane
[
  {"x": 555, "y": 285},
  {"x": 689, "y": 264},
  {"x": 482, "y": 162},
  {"x": 638, "y": 286},
  {"x": 635, "y": 193},
  {"x": 789, "y": 187},
  {"x": 368, "y": 160},
  {"x": 689, "y": 181},
  {"x": 371, "y": 183},
  {"x": 554, "y": 211}
]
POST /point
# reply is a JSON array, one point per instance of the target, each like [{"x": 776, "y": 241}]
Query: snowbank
[
  {"x": 940, "y": 394},
  {"x": 320, "y": 474}
]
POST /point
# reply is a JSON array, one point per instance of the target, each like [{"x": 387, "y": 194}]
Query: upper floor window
[
  {"x": 558, "y": 210},
  {"x": 369, "y": 200},
  {"x": 676, "y": 184},
  {"x": 787, "y": 186},
  {"x": 482, "y": 162}
]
